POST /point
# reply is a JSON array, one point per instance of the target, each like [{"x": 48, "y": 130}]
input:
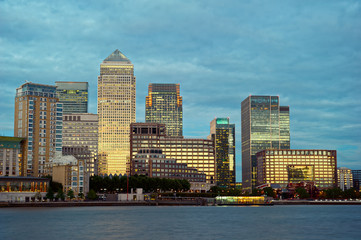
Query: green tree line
[{"x": 119, "y": 184}]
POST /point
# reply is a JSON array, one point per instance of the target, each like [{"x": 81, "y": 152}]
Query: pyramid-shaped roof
[{"x": 117, "y": 56}]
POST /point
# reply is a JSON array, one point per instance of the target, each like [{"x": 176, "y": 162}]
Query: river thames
[{"x": 188, "y": 222}]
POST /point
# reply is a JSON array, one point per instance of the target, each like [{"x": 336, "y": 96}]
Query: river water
[{"x": 188, "y": 222}]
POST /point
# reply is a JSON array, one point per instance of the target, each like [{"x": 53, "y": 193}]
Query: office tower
[
  {"x": 282, "y": 167},
  {"x": 196, "y": 153},
  {"x": 344, "y": 176},
  {"x": 116, "y": 111},
  {"x": 81, "y": 130},
  {"x": 11, "y": 154},
  {"x": 285, "y": 127},
  {"x": 223, "y": 135},
  {"x": 153, "y": 163},
  {"x": 73, "y": 96},
  {"x": 38, "y": 118},
  {"x": 164, "y": 105},
  {"x": 265, "y": 125},
  {"x": 356, "y": 179}
]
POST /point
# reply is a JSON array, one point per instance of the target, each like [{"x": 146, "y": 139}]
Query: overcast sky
[{"x": 306, "y": 52}]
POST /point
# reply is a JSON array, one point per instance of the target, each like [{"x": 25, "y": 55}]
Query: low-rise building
[
  {"x": 11, "y": 155},
  {"x": 22, "y": 189},
  {"x": 281, "y": 167},
  {"x": 71, "y": 173},
  {"x": 152, "y": 163},
  {"x": 196, "y": 153}
]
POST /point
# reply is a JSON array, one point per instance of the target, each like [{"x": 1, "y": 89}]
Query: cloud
[{"x": 306, "y": 52}]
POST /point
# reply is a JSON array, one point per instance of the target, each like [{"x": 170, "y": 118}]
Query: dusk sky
[{"x": 306, "y": 52}]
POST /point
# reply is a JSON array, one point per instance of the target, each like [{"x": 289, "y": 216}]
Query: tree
[
  {"x": 92, "y": 195},
  {"x": 349, "y": 193},
  {"x": 185, "y": 185},
  {"x": 302, "y": 193},
  {"x": 70, "y": 194},
  {"x": 60, "y": 195},
  {"x": 269, "y": 192},
  {"x": 81, "y": 195},
  {"x": 50, "y": 194},
  {"x": 56, "y": 186},
  {"x": 333, "y": 193},
  {"x": 96, "y": 183},
  {"x": 256, "y": 192},
  {"x": 216, "y": 189}
]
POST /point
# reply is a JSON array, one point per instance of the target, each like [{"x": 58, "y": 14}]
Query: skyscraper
[
  {"x": 265, "y": 125},
  {"x": 73, "y": 96},
  {"x": 164, "y": 105},
  {"x": 116, "y": 111},
  {"x": 38, "y": 118},
  {"x": 223, "y": 135}
]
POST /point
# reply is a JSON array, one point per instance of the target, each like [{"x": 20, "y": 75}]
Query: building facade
[
  {"x": 71, "y": 173},
  {"x": 81, "y": 130},
  {"x": 152, "y": 163},
  {"x": 265, "y": 125},
  {"x": 356, "y": 179},
  {"x": 81, "y": 154},
  {"x": 23, "y": 189},
  {"x": 116, "y": 111},
  {"x": 344, "y": 177},
  {"x": 11, "y": 155},
  {"x": 282, "y": 167},
  {"x": 38, "y": 118},
  {"x": 164, "y": 105},
  {"x": 223, "y": 135},
  {"x": 196, "y": 153},
  {"x": 73, "y": 96}
]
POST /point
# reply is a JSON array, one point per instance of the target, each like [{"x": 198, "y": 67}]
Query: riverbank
[
  {"x": 315, "y": 202},
  {"x": 197, "y": 202}
]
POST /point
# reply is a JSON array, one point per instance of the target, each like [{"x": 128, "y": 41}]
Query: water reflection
[{"x": 275, "y": 222}]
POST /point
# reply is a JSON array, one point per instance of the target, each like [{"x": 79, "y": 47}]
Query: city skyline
[{"x": 306, "y": 53}]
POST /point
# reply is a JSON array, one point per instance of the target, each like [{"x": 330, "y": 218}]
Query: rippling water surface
[{"x": 268, "y": 222}]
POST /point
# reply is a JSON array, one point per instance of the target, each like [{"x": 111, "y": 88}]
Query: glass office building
[
  {"x": 265, "y": 125},
  {"x": 223, "y": 135},
  {"x": 356, "y": 179},
  {"x": 73, "y": 96},
  {"x": 281, "y": 167},
  {"x": 164, "y": 105},
  {"x": 116, "y": 111}
]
